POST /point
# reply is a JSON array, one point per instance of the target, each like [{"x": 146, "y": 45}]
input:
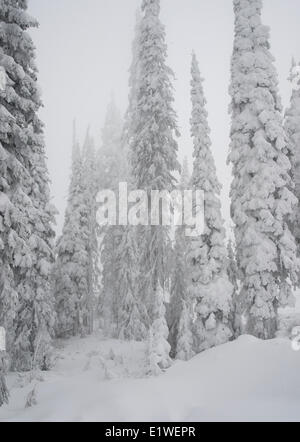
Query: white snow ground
[{"x": 104, "y": 380}]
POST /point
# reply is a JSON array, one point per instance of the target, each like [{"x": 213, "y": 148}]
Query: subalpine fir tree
[
  {"x": 209, "y": 285},
  {"x": 26, "y": 214},
  {"x": 262, "y": 202},
  {"x": 153, "y": 148},
  {"x": 185, "y": 341},
  {"x": 179, "y": 281},
  {"x": 71, "y": 268},
  {"x": 133, "y": 317},
  {"x": 292, "y": 127}
]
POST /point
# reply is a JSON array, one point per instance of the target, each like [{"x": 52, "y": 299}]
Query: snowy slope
[{"x": 244, "y": 380}]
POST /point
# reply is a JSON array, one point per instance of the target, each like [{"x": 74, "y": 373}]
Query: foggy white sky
[{"x": 84, "y": 52}]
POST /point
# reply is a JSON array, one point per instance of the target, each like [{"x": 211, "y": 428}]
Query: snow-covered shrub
[{"x": 158, "y": 346}]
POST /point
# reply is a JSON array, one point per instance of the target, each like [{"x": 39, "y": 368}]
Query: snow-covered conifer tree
[
  {"x": 130, "y": 116},
  {"x": 152, "y": 367},
  {"x": 70, "y": 274},
  {"x": 34, "y": 326},
  {"x": 159, "y": 348},
  {"x": 132, "y": 312},
  {"x": 110, "y": 155},
  {"x": 133, "y": 317},
  {"x": 185, "y": 341},
  {"x": 207, "y": 256},
  {"x": 111, "y": 170},
  {"x": 179, "y": 281},
  {"x": 153, "y": 148},
  {"x": 26, "y": 215},
  {"x": 109, "y": 301},
  {"x": 292, "y": 127},
  {"x": 156, "y": 125},
  {"x": 262, "y": 201},
  {"x": 89, "y": 224}
]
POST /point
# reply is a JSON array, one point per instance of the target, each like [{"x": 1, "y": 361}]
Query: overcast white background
[{"x": 84, "y": 52}]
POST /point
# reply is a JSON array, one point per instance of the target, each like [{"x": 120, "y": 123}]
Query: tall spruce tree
[
  {"x": 26, "y": 216},
  {"x": 71, "y": 268},
  {"x": 153, "y": 148},
  {"x": 209, "y": 285},
  {"x": 262, "y": 201},
  {"x": 134, "y": 320},
  {"x": 292, "y": 127}
]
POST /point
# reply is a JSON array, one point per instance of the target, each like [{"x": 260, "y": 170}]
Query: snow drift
[{"x": 246, "y": 380}]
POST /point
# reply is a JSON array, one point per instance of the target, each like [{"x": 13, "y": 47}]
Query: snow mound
[{"x": 101, "y": 380}]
